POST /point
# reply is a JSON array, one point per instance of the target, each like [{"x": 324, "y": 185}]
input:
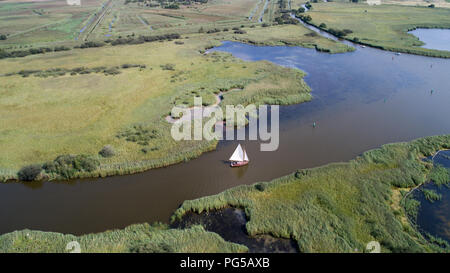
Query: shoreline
[{"x": 420, "y": 51}]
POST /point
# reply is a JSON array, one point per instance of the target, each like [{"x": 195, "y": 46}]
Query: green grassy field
[
  {"x": 340, "y": 207},
  {"x": 293, "y": 35},
  {"x": 383, "y": 26},
  {"x": 39, "y": 23}
]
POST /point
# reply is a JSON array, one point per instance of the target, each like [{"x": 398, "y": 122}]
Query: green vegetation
[
  {"x": 87, "y": 110},
  {"x": 67, "y": 166},
  {"x": 440, "y": 176},
  {"x": 58, "y": 72},
  {"x": 291, "y": 35},
  {"x": 29, "y": 173},
  {"x": 431, "y": 195},
  {"x": 136, "y": 238},
  {"x": 339, "y": 207},
  {"x": 382, "y": 26},
  {"x": 107, "y": 151},
  {"x": 119, "y": 41}
]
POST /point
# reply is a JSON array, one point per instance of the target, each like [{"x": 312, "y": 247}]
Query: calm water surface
[
  {"x": 433, "y": 38},
  {"x": 434, "y": 217},
  {"x": 361, "y": 100}
]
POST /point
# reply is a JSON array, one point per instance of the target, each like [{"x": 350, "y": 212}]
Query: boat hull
[{"x": 238, "y": 163}]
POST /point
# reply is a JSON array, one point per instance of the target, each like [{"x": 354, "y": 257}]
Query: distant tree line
[
  {"x": 55, "y": 72},
  {"x": 286, "y": 19},
  {"x": 119, "y": 41},
  {"x": 167, "y": 4},
  {"x": 32, "y": 51}
]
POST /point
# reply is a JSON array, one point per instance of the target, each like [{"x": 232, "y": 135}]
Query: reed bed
[{"x": 339, "y": 207}]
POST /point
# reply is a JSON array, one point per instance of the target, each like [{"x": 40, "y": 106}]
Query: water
[
  {"x": 434, "y": 217},
  {"x": 361, "y": 100},
  {"x": 433, "y": 38},
  {"x": 230, "y": 223}
]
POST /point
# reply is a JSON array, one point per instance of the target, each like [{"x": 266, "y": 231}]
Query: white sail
[
  {"x": 246, "y": 156},
  {"x": 238, "y": 154}
]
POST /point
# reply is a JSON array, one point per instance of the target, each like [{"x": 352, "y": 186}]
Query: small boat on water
[{"x": 239, "y": 157}]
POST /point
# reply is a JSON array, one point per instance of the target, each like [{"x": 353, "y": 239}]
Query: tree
[
  {"x": 29, "y": 173},
  {"x": 107, "y": 151}
]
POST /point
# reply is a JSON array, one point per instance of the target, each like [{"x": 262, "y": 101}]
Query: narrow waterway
[{"x": 362, "y": 100}]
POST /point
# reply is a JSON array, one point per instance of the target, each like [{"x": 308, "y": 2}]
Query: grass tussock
[{"x": 142, "y": 238}]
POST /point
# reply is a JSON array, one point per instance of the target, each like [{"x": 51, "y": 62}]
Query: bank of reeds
[
  {"x": 338, "y": 207},
  {"x": 141, "y": 238}
]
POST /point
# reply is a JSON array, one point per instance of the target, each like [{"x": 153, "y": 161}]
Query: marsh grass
[
  {"x": 80, "y": 114},
  {"x": 339, "y": 207},
  {"x": 289, "y": 35},
  {"x": 136, "y": 238},
  {"x": 431, "y": 195}
]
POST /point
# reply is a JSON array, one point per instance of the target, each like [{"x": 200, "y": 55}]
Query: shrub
[
  {"x": 3, "y": 37},
  {"x": 107, "y": 151},
  {"x": 66, "y": 166},
  {"x": 92, "y": 44},
  {"x": 168, "y": 67},
  {"x": 29, "y": 173},
  {"x": 111, "y": 71},
  {"x": 61, "y": 48},
  {"x": 323, "y": 25},
  {"x": 431, "y": 195},
  {"x": 139, "y": 133},
  {"x": 311, "y": 34},
  {"x": 213, "y": 30},
  {"x": 240, "y": 31}
]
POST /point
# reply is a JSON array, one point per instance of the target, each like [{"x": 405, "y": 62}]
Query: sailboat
[{"x": 239, "y": 157}]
